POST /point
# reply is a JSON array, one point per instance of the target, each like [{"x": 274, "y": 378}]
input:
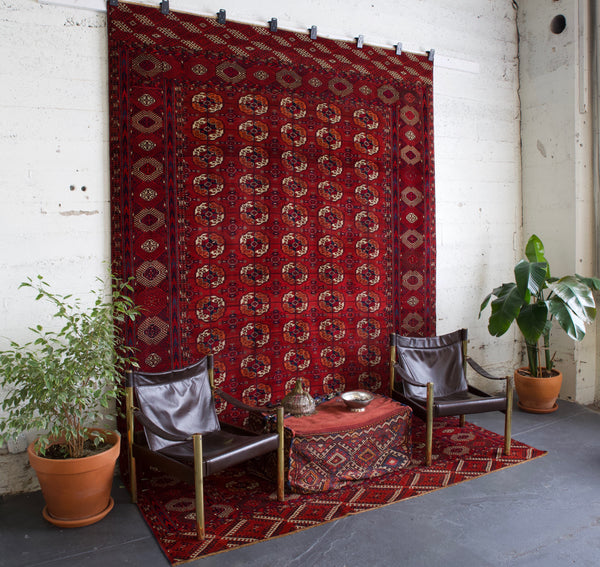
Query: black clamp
[
  {"x": 431, "y": 54},
  {"x": 313, "y": 32},
  {"x": 221, "y": 16},
  {"x": 273, "y": 24},
  {"x": 360, "y": 40},
  {"x": 164, "y": 7}
]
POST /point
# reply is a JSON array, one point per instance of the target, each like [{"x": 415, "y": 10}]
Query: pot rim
[
  {"x": 523, "y": 371},
  {"x": 111, "y": 435}
]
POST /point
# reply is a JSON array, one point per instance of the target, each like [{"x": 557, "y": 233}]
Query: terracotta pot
[
  {"x": 538, "y": 395},
  {"x": 77, "y": 491}
]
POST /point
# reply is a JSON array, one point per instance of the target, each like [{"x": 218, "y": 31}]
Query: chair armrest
[
  {"x": 237, "y": 403},
  {"x": 158, "y": 431},
  {"x": 405, "y": 378},
  {"x": 481, "y": 371}
]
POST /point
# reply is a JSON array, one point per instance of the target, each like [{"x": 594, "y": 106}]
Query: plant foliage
[
  {"x": 535, "y": 299},
  {"x": 62, "y": 381}
]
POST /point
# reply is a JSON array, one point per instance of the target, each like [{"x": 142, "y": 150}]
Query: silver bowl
[{"x": 357, "y": 400}]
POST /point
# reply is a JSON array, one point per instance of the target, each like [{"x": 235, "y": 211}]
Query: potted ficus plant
[
  {"x": 61, "y": 384},
  {"x": 534, "y": 300}
]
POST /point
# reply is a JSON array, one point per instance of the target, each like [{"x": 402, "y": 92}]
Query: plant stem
[
  {"x": 549, "y": 359},
  {"x": 532, "y": 350}
]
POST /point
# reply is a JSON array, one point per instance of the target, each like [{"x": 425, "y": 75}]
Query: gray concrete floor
[{"x": 542, "y": 513}]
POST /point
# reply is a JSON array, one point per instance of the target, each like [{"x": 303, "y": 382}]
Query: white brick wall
[{"x": 558, "y": 190}]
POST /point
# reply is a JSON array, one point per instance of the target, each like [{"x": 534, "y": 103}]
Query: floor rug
[{"x": 241, "y": 509}]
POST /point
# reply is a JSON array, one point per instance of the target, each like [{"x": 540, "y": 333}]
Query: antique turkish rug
[
  {"x": 242, "y": 509},
  {"x": 273, "y": 199}
]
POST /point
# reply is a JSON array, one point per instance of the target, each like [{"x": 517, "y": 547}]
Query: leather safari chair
[
  {"x": 182, "y": 435},
  {"x": 430, "y": 375}
]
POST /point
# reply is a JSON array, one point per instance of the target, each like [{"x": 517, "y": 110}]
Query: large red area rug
[{"x": 241, "y": 509}]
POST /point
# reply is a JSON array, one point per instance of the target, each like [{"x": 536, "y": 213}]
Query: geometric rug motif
[
  {"x": 326, "y": 460},
  {"x": 242, "y": 509}
]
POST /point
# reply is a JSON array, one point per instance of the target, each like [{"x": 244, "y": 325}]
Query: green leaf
[
  {"x": 532, "y": 321},
  {"x": 495, "y": 292},
  {"x": 505, "y": 309},
  {"x": 530, "y": 278},
  {"x": 592, "y": 283},
  {"x": 577, "y": 296},
  {"x": 573, "y": 325},
  {"x": 572, "y": 304},
  {"x": 534, "y": 250},
  {"x": 485, "y": 302}
]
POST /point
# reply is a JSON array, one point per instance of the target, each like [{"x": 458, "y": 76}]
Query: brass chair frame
[
  {"x": 139, "y": 450},
  {"x": 427, "y": 409}
]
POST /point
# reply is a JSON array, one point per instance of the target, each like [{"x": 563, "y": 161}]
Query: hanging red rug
[
  {"x": 241, "y": 508},
  {"x": 272, "y": 197}
]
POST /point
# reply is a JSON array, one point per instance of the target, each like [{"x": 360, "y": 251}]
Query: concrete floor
[{"x": 542, "y": 513}]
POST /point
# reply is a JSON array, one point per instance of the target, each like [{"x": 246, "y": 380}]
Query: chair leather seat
[
  {"x": 463, "y": 403},
  {"x": 222, "y": 449}
]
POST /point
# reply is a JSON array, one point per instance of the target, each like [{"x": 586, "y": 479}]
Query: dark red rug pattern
[{"x": 242, "y": 509}]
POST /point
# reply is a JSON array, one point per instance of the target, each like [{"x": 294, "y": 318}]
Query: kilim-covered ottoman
[{"x": 335, "y": 446}]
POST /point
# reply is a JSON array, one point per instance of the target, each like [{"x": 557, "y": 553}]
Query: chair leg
[
  {"x": 461, "y": 420},
  {"x": 508, "y": 416},
  {"x": 130, "y": 431},
  {"x": 133, "y": 480},
  {"x": 199, "y": 485},
  {"x": 392, "y": 362},
  {"x": 429, "y": 427},
  {"x": 280, "y": 456}
]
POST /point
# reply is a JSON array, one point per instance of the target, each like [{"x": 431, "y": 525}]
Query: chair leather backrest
[
  {"x": 433, "y": 359},
  {"x": 178, "y": 401}
]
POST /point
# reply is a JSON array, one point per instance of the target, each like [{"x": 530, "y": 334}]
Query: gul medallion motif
[
  {"x": 295, "y": 273},
  {"x": 208, "y": 184},
  {"x": 254, "y": 304},
  {"x": 296, "y": 331},
  {"x": 254, "y": 184},
  {"x": 294, "y": 187},
  {"x": 210, "y": 276}
]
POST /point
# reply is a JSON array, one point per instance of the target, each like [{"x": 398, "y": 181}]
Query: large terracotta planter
[
  {"x": 538, "y": 395},
  {"x": 77, "y": 491}
]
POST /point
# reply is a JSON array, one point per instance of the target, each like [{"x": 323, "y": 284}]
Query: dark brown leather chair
[
  {"x": 430, "y": 375},
  {"x": 182, "y": 435}
]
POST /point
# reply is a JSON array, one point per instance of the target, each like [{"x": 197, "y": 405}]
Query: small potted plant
[
  {"x": 534, "y": 300},
  {"x": 61, "y": 383}
]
